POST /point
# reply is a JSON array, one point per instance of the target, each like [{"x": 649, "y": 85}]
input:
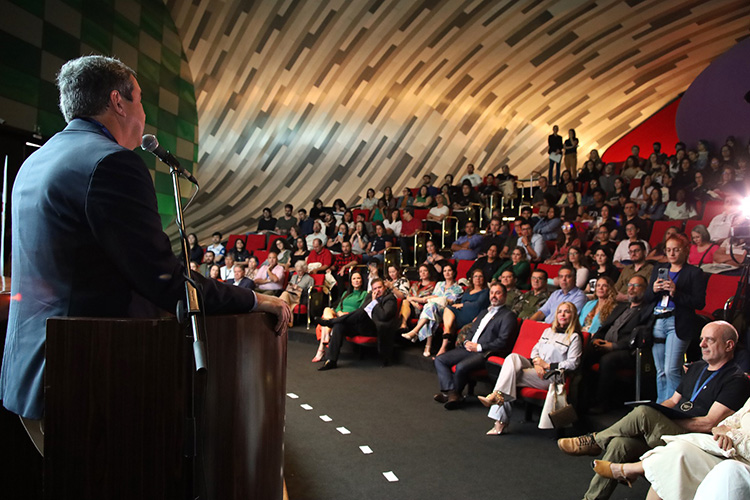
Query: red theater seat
[
  {"x": 233, "y": 238},
  {"x": 256, "y": 242}
]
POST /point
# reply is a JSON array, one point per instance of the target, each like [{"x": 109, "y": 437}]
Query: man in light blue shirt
[
  {"x": 568, "y": 292},
  {"x": 467, "y": 246},
  {"x": 532, "y": 244}
]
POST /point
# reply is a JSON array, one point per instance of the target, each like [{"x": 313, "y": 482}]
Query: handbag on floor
[{"x": 562, "y": 413}]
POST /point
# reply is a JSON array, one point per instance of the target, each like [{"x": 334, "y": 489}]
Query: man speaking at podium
[{"x": 87, "y": 237}]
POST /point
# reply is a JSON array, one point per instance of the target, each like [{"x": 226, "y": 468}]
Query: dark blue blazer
[
  {"x": 499, "y": 334},
  {"x": 244, "y": 283},
  {"x": 87, "y": 241}
]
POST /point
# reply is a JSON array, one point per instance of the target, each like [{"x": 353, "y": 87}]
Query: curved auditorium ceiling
[{"x": 304, "y": 99}]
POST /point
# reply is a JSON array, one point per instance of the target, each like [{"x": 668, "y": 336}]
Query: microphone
[{"x": 149, "y": 143}]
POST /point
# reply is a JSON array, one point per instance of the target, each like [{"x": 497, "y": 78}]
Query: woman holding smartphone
[{"x": 676, "y": 291}]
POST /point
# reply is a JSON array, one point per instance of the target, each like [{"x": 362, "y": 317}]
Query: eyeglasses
[{"x": 636, "y": 285}]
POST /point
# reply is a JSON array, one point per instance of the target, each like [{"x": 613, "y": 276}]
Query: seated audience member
[
  {"x": 335, "y": 242},
  {"x": 620, "y": 190},
  {"x": 316, "y": 212},
  {"x": 512, "y": 239},
  {"x": 342, "y": 263},
  {"x": 578, "y": 261},
  {"x": 465, "y": 247},
  {"x": 423, "y": 198},
  {"x": 679, "y": 208},
  {"x": 489, "y": 264},
  {"x": 439, "y": 212},
  {"x": 349, "y": 302},
  {"x": 239, "y": 253},
  {"x": 360, "y": 240},
  {"x": 434, "y": 259},
  {"x": 388, "y": 199},
  {"x": 194, "y": 266},
  {"x": 269, "y": 279},
  {"x": 720, "y": 225},
  {"x": 594, "y": 208},
  {"x": 283, "y": 254},
  {"x": 252, "y": 267},
  {"x": 329, "y": 224},
  {"x": 606, "y": 220},
  {"x": 602, "y": 267},
  {"x": 396, "y": 283},
  {"x": 348, "y": 219},
  {"x": 508, "y": 279},
  {"x": 526, "y": 304},
  {"x": 702, "y": 249},
  {"x": 702, "y": 401},
  {"x": 658, "y": 253},
  {"x": 559, "y": 348},
  {"x": 596, "y": 310},
  {"x": 445, "y": 293},
  {"x": 569, "y": 188},
  {"x": 376, "y": 317},
  {"x": 298, "y": 288},
  {"x": 519, "y": 266},
  {"x": 446, "y": 191},
  {"x": 215, "y": 272},
  {"x": 526, "y": 213},
  {"x": 602, "y": 242},
  {"x": 728, "y": 185},
  {"x": 638, "y": 266},
  {"x": 405, "y": 200},
  {"x": 492, "y": 330},
  {"x": 195, "y": 251},
  {"x": 549, "y": 226},
  {"x": 470, "y": 176},
  {"x": 317, "y": 233},
  {"x": 493, "y": 236},
  {"x": 287, "y": 221},
  {"x": 532, "y": 244},
  {"x": 568, "y": 292},
  {"x": 567, "y": 239},
  {"x": 641, "y": 194},
  {"x": 622, "y": 255},
  {"x": 731, "y": 251},
  {"x": 654, "y": 208},
  {"x": 699, "y": 191},
  {"x": 305, "y": 223},
  {"x": 613, "y": 333},
  {"x": 208, "y": 261},
  {"x": 300, "y": 251},
  {"x": 631, "y": 168},
  {"x": 630, "y": 212},
  {"x": 464, "y": 310},
  {"x": 370, "y": 200},
  {"x": 217, "y": 248},
  {"x": 393, "y": 223},
  {"x": 544, "y": 189},
  {"x": 417, "y": 296},
  {"x": 409, "y": 227},
  {"x": 571, "y": 210},
  {"x": 380, "y": 212},
  {"x": 238, "y": 278},
  {"x": 380, "y": 243},
  {"x": 320, "y": 258},
  {"x": 292, "y": 236},
  {"x": 465, "y": 202},
  {"x": 373, "y": 272},
  {"x": 729, "y": 480},
  {"x": 267, "y": 222},
  {"x": 226, "y": 271},
  {"x": 607, "y": 179}
]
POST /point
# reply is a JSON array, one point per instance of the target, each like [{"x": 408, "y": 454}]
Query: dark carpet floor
[{"x": 434, "y": 453}]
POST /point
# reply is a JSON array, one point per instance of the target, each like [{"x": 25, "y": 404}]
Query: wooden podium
[{"x": 116, "y": 421}]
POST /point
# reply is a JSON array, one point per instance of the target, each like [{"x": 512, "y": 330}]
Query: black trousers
[
  {"x": 358, "y": 323},
  {"x": 606, "y": 379}
]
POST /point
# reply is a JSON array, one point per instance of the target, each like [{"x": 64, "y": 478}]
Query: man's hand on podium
[{"x": 277, "y": 307}]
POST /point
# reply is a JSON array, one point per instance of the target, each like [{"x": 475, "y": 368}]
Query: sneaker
[{"x": 581, "y": 445}]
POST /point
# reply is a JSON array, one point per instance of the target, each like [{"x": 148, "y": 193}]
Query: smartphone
[
  {"x": 663, "y": 273},
  {"x": 592, "y": 284}
]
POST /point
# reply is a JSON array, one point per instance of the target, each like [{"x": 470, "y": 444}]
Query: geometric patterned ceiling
[{"x": 305, "y": 99}]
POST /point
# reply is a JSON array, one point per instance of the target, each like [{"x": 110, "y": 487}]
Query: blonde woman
[{"x": 560, "y": 347}]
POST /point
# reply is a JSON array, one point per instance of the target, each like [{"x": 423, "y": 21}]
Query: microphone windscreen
[{"x": 149, "y": 143}]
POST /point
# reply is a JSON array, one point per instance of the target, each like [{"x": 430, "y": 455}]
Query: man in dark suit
[
  {"x": 610, "y": 346},
  {"x": 239, "y": 279},
  {"x": 376, "y": 317},
  {"x": 92, "y": 200},
  {"x": 491, "y": 331}
]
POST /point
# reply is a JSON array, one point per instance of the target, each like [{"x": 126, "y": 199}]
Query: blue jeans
[{"x": 668, "y": 358}]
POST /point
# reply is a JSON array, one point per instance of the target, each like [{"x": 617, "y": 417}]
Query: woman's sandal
[
  {"x": 493, "y": 398},
  {"x": 604, "y": 469},
  {"x": 319, "y": 355},
  {"x": 498, "y": 429}
]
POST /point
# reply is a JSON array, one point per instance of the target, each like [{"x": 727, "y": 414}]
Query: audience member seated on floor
[
  {"x": 465, "y": 247},
  {"x": 622, "y": 254},
  {"x": 549, "y": 226},
  {"x": 226, "y": 271},
  {"x": 493, "y": 236},
  {"x": 611, "y": 346},
  {"x": 532, "y": 244},
  {"x": 269, "y": 279},
  {"x": 239, "y": 253},
  {"x": 639, "y": 266},
  {"x": 676, "y": 291},
  {"x": 445, "y": 293},
  {"x": 317, "y": 233},
  {"x": 380, "y": 243},
  {"x": 526, "y": 304},
  {"x": 376, "y": 317},
  {"x": 320, "y": 258},
  {"x": 304, "y": 222},
  {"x": 267, "y": 223},
  {"x": 475, "y": 299},
  {"x": 208, "y": 261},
  {"x": 602, "y": 267},
  {"x": 731, "y": 251},
  {"x": 350, "y": 301},
  {"x": 702, "y": 249},
  {"x": 658, "y": 254},
  {"x": 489, "y": 264},
  {"x": 300, "y": 251},
  {"x": 470, "y": 176},
  {"x": 710, "y": 391},
  {"x": 519, "y": 266},
  {"x": 238, "y": 278},
  {"x": 568, "y": 292},
  {"x": 215, "y": 272},
  {"x": 493, "y": 330},
  {"x": 195, "y": 251},
  {"x": 597, "y": 310},
  {"x": 559, "y": 348},
  {"x": 434, "y": 259},
  {"x": 298, "y": 288},
  {"x": 415, "y": 300},
  {"x": 287, "y": 221},
  {"x": 217, "y": 248},
  {"x": 567, "y": 239}
]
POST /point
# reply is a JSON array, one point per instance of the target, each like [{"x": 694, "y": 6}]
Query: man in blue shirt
[
  {"x": 568, "y": 292},
  {"x": 466, "y": 247}
]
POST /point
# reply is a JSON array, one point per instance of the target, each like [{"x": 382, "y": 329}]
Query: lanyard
[
  {"x": 101, "y": 126},
  {"x": 700, "y": 387}
]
